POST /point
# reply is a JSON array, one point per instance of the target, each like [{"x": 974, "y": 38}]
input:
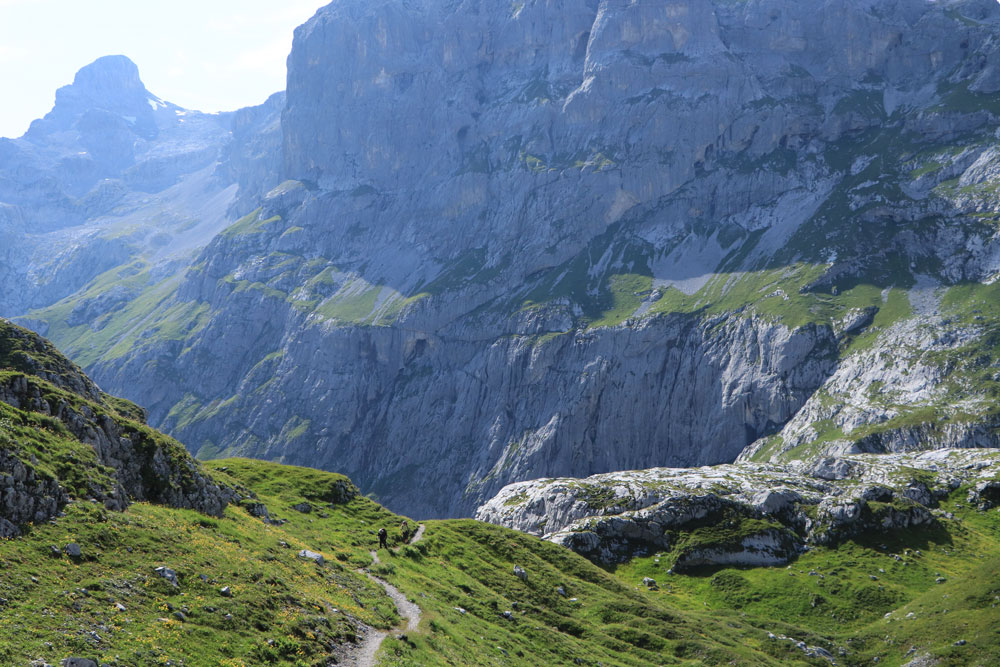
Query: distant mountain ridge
[{"x": 112, "y": 177}]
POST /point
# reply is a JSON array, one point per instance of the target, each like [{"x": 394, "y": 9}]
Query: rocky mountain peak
[
  {"x": 106, "y": 96},
  {"x": 108, "y": 77}
]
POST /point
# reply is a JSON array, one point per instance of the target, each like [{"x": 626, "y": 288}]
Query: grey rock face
[
  {"x": 25, "y": 495},
  {"x": 8, "y": 530},
  {"x": 764, "y": 549},
  {"x": 253, "y": 159},
  {"x": 612, "y": 517},
  {"x": 608, "y": 411},
  {"x": 567, "y": 237}
]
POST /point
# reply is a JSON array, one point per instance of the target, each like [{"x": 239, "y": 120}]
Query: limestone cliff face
[
  {"x": 560, "y": 237},
  {"x": 532, "y": 128},
  {"x": 450, "y": 420},
  {"x": 253, "y": 158}
]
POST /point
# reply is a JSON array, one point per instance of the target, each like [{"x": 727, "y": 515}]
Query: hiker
[
  {"x": 405, "y": 529},
  {"x": 382, "y": 535}
]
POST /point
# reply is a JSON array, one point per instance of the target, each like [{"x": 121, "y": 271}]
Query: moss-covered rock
[{"x": 61, "y": 437}]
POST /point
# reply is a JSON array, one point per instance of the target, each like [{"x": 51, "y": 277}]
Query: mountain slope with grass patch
[
  {"x": 569, "y": 259},
  {"x": 887, "y": 558},
  {"x": 143, "y": 569}
]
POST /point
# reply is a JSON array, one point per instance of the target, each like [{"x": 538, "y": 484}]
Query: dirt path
[{"x": 364, "y": 655}]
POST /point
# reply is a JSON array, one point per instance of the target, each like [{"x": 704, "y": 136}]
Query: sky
[{"x": 209, "y": 55}]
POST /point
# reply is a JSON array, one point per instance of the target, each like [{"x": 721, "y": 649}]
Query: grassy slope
[
  {"x": 469, "y": 565},
  {"x": 54, "y": 603},
  {"x": 711, "y": 617},
  {"x": 833, "y": 599},
  {"x": 288, "y": 611},
  {"x": 276, "y": 595}
]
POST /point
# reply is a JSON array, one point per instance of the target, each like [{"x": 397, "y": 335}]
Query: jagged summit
[
  {"x": 108, "y": 75},
  {"x": 105, "y": 96},
  {"x": 105, "y": 136}
]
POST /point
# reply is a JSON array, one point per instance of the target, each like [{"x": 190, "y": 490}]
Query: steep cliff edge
[{"x": 574, "y": 237}]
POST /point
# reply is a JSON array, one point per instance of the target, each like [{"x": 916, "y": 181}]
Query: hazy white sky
[{"x": 210, "y": 55}]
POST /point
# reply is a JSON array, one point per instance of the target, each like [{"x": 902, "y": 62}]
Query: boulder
[
  {"x": 167, "y": 574},
  {"x": 919, "y": 493},
  {"x": 7, "y": 529},
  {"x": 985, "y": 495},
  {"x": 831, "y": 469},
  {"x": 257, "y": 509},
  {"x": 775, "y": 501},
  {"x": 312, "y": 555}
]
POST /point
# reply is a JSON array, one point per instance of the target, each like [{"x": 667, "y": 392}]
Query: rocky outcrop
[
  {"x": 100, "y": 449},
  {"x": 894, "y": 395},
  {"x": 26, "y": 496},
  {"x": 146, "y": 465},
  {"x": 722, "y": 534},
  {"x": 985, "y": 495},
  {"x": 742, "y": 514},
  {"x": 766, "y": 548}
]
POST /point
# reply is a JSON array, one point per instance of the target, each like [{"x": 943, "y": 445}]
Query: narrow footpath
[{"x": 364, "y": 654}]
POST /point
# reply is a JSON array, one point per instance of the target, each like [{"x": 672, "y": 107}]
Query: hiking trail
[{"x": 364, "y": 654}]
